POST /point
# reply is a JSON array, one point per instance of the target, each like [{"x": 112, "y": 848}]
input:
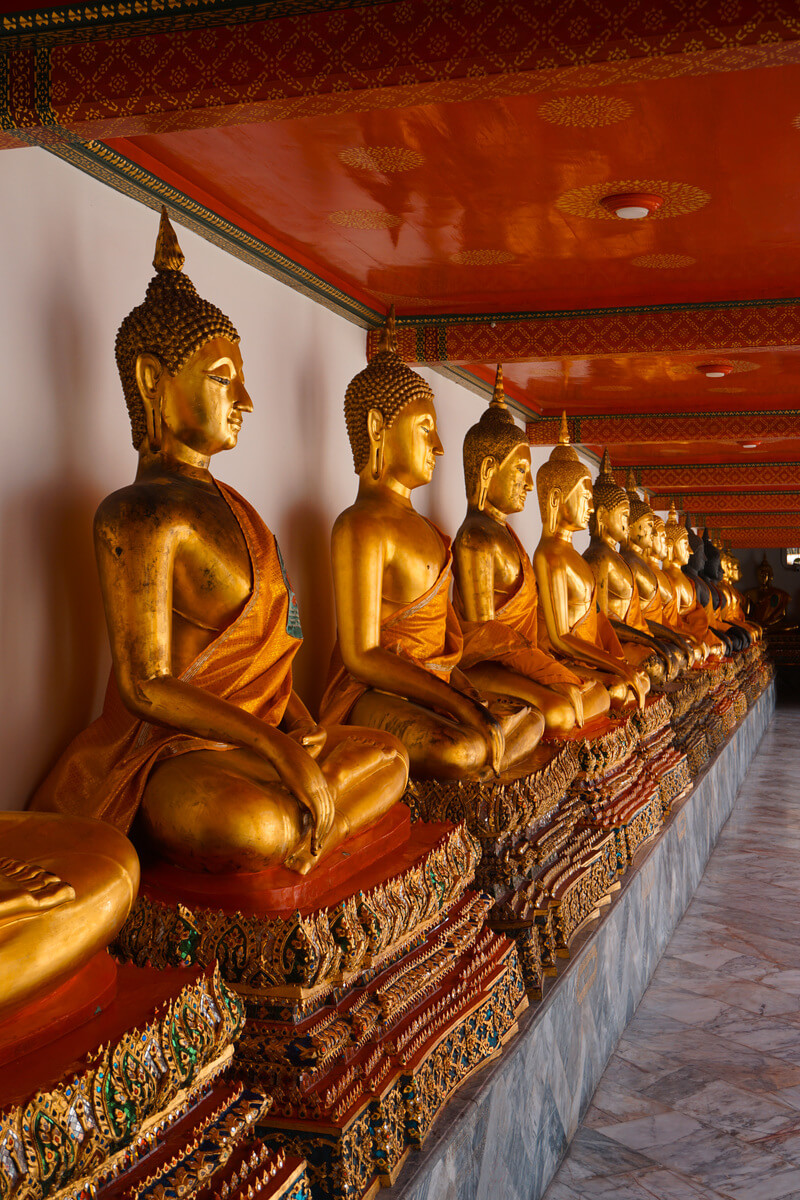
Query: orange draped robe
[
  {"x": 103, "y": 772},
  {"x": 426, "y": 631},
  {"x": 511, "y": 639},
  {"x": 594, "y": 627}
]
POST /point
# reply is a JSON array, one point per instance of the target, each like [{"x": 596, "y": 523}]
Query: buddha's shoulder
[
  {"x": 144, "y": 501},
  {"x": 371, "y": 518},
  {"x": 478, "y": 532}
]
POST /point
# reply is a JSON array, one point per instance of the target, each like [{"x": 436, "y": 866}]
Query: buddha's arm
[
  {"x": 554, "y": 599},
  {"x": 136, "y": 557},
  {"x": 358, "y": 553},
  {"x": 474, "y": 560}
]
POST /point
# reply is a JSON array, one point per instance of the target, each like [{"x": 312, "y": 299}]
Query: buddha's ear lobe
[
  {"x": 148, "y": 378},
  {"x": 375, "y": 424},
  {"x": 488, "y": 467},
  {"x": 553, "y": 505}
]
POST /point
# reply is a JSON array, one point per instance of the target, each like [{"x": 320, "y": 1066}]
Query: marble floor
[{"x": 701, "y": 1098}]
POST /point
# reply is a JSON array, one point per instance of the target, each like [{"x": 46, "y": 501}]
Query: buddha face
[
  {"x": 681, "y": 551},
  {"x": 203, "y": 405},
  {"x": 641, "y": 532},
  {"x": 616, "y": 521},
  {"x": 511, "y": 481},
  {"x": 576, "y": 508},
  {"x": 659, "y": 541},
  {"x": 411, "y": 444}
]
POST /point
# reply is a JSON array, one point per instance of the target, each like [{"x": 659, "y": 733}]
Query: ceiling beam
[
  {"x": 628, "y": 429},
  {"x": 758, "y": 539},
  {"x": 718, "y": 503},
  {"x": 724, "y": 327},
  {"x": 783, "y": 521},
  {"x": 120, "y": 69},
  {"x": 691, "y": 477}
]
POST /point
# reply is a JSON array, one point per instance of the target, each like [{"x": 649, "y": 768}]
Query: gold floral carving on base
[
  {"x": 678, "y": 198},
  {"x": 387, "y": 159},
  {"x": 88, "y": 1128},
  {"x": 585, "y": 111},
  {"x": 299, "y": 959}
]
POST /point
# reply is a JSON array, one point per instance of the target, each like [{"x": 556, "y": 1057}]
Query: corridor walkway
[{"x": 701, "y": 1098}]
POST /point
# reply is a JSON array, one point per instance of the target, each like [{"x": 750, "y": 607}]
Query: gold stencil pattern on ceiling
[
  {"x": 730, "y": 391},
  {"x": 678, "y": 198},
  {"x": 481, "y": 258},
  {"x": 688, "y": 370},
  {"x": 663, "y": 262},
  {"x": 585, "y": 112},
  {"x": 388, "y": 159},
  {"x": 363, "y": 218},
  {"x": 393, "y": 298}
]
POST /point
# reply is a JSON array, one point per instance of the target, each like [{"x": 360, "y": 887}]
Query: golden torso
[
  {"x": 562, "y": 558},
  {"x": 486, "y": 545},
  {"x": 643, "y": 574},
  {"x": 413, "y": 551},
  {"x": 608, "y": 564},
  {"x": 186, "y": 520},
  {"x": 683, "y": 587}
]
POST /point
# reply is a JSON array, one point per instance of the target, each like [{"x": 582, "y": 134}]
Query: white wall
[{"x": 76, "y": 259}]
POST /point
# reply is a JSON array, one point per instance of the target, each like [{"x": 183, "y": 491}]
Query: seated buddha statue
[
  {"x": 618, "y": 594},
  {"x": 670, "y": 616},
  {"x": 733, "y": 611},
  {"x": 395, "y": 665},
  {"x": 202, "y": 738},
  {"x": 495, "y": 595},
  {"x": 572, "y": 626},
  {"x": 66, "y": 887},
  {"x": 692, "y": 615},
  {"x": 712, "y": 573},
  {"x": 635, "y": 550},
  {"x": 768, "y": 605}
]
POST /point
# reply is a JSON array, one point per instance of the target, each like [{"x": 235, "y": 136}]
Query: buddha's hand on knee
[
  {"x": 476, "y": 716},
  {"x": 309, "y": 735},
  {"x": 575, "y": 696},
  {"x": 304, "y": 779}
]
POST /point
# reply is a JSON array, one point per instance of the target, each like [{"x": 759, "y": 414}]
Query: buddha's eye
[{"x": 221, "y": 380}]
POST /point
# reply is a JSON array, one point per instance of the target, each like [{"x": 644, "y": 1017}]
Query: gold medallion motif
[
  {"x": 677, "y": 198},
  {"x": 363, "y": 218},
  {"x": 481, "y": 258},
  {"x": 585, "y": 112},
  {"x": 388, "y": 159},
  {"x": 663, "y": 262}
]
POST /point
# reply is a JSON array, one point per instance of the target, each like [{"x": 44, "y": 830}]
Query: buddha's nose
[{"x": 243, "y": 400}]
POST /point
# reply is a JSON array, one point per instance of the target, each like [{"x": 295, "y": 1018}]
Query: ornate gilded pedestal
[
  {"x": 137, "y": 1101},
  {"x": 663, "y": 760},
  {"x": 371, "y": 994}
]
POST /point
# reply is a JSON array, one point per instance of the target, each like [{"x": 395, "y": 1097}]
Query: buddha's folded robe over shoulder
[
  {"x": 426, "y": 631},
  {"x": 104, "y": 771},
  {"x": 512, "y": 637}
]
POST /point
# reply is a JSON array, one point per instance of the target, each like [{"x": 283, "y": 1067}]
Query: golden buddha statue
[
  {"x": 572, "y": 625},
  {"x": 670, "y": 614},
  {"x": 618, "y": 593},
  {"x": 396, "y": 661},
  {"x": 635, "y": 550},
  {"x": 768, "y": 605},
  {"x": 496, "y": 598},
  {"x": 692, "y": 616},
  {"x": 202, "y": 738},
  {"x": 66, "y": 887},
  {"x": 733, "y": 604}
]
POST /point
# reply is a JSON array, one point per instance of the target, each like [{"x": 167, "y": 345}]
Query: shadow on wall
[{"x": 60, "y": 664}]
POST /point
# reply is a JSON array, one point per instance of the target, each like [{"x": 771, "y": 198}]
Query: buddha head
[
  {"x": 659, "y": 537},
  {"x": 611, "y": 505},
  {"x": 640, "y": 522},
  {"x": 677, "y": 539},
  {"x": 564, "y": 488},
  {"x": 497, "y": 458},
  {"x": 713, "y": 567},
  {"x": 391, "y": 419},
  {"x": 179, "y": 362}
]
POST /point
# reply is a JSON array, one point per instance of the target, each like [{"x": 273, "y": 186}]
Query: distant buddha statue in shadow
[
  {"x": 766, "y": 604},
  {"x": 496, "y": 596},
  {"x": 396, "y": 661},
  {"x": 202, "y": 738}
]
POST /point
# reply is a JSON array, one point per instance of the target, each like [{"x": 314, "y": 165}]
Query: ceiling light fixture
[
  {"x": 632, "y": 206},
  {"x": 715, "y": 370},
  {"x": 750, "y": 445}
]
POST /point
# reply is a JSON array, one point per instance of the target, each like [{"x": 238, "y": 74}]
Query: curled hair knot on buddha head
[
  {"x": 563, "y": 471},
  {"x": 674, "y": 530},
  {"x": 639, "y": 507},
  {"x": 606, "y": 492},
  {"x": 171, "y": 323},
  {"x": 385, "y": 384},
  {"x": 495, "y": 436}
]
